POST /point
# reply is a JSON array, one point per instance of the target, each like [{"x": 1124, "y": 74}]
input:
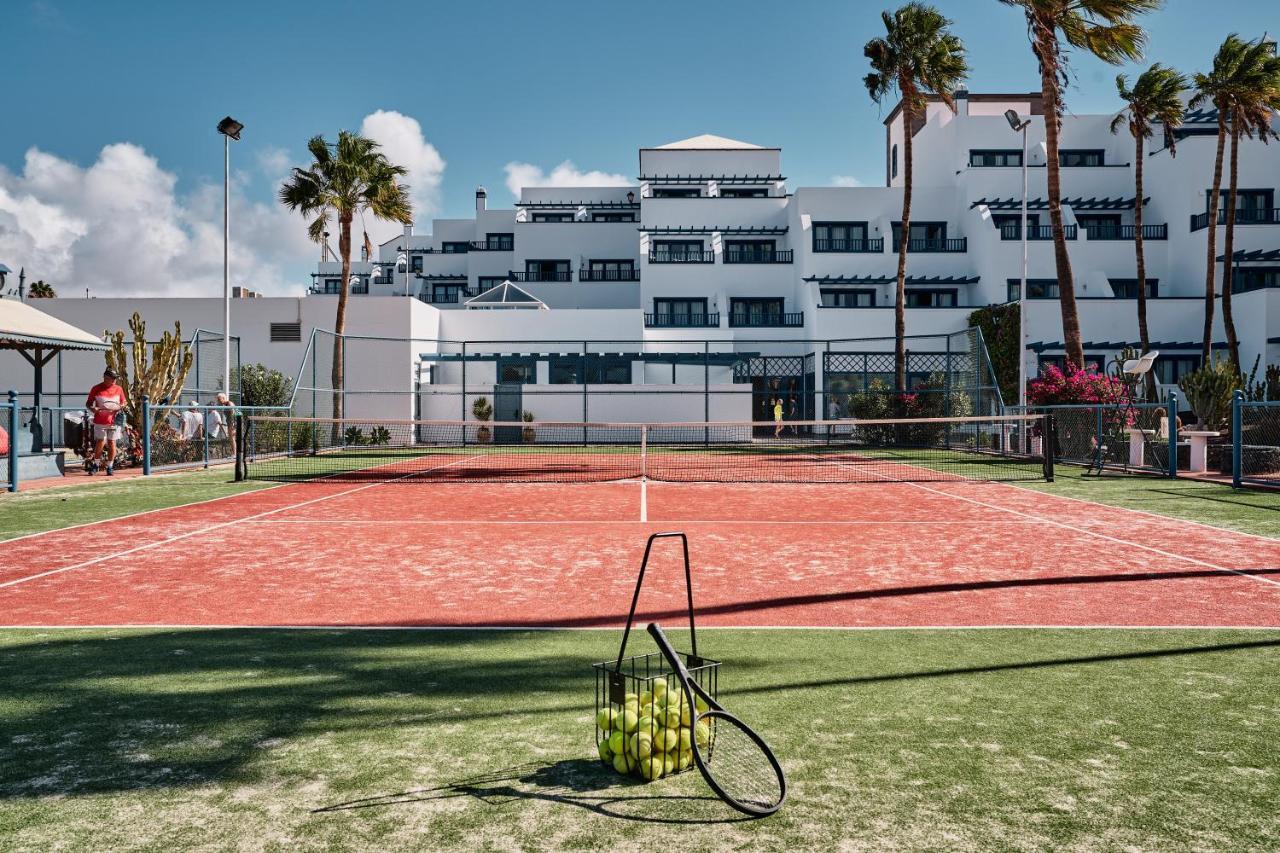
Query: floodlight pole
[
  {"x": 230, "y": 129},
  {"x": 1022, "y": 288}
]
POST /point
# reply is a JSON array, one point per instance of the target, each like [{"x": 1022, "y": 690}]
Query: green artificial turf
[
  {"x": 62, "y": 506},
  {"x": 390, "y": 740}
]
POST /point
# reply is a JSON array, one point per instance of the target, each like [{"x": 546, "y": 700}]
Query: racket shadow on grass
[{"x": 579, "y": 782}]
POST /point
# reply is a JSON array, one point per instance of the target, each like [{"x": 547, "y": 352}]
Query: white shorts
[{"x": 106, "y": 432}]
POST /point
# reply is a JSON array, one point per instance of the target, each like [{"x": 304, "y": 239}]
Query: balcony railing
[
  {"x": 444, "y": 298},
  {"x": 382, "y": 279},
  {"x": 321, "y": 290},
  {"x": 586, "y": 274},
  {"x": 1035, "y": 232},
  {"x": 485, "y": 246},
  {"x": 1248, "y": 216},
  {"x": 542, "y": 275},
  {"x": 785, "y": 320},
  {"x": 948, "y": 244},
  {"x": 1126, "y": 232},
  {"x": 682, "y": 321},
  {"x": 873, "y": 245},
  {"x": 692, "y": 257},
  {"x": 755, "y": 256}
]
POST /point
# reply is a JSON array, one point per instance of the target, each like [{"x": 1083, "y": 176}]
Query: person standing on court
[
  {"x": 777, "y": 417},
  {"x": 107, "y": 401}
]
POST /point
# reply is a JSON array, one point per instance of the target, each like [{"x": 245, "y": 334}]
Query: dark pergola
[{"x": 38, "y": 337}]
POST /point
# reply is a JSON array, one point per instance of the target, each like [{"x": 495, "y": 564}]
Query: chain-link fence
[
  {"x": 1124, "y": 436},
  {"x": 1255, "y": 442}
]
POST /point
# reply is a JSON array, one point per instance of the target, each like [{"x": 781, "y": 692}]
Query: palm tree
[
  {"x": 41, "y": 289},
  {"x": 916, "y": 58},
  {"x": 1104, "y": 28},
  {"x": 1156, "y": 98},
  {"x": 1244, "y": 87},
  {"x": 345, "y": 179}
]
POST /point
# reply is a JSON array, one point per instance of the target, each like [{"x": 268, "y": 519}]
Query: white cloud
[
  {"x": 402, "y": 141},
  {"x": 520, "y": 175},
  {"x": 845, "y": 181},
  {"x": 120, "y": 228},
  {"x": 274, "y": 162}
]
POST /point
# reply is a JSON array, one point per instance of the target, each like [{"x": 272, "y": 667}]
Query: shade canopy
[
  {"x": 506, "y": 295},
  {"x": 24, "y": 327}
]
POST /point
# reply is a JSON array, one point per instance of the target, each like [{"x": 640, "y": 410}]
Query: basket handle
[{"x": 688, "y": 583}]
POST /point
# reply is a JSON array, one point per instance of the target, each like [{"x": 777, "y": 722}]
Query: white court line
[
  {"x": 545, "y": 628},
  {"x": 223, "y": 524},
  {"x": 328, "y": 522},
  {"x": 644, "y": 499}
]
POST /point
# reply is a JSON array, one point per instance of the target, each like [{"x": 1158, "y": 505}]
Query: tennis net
[{"x": 845, "y": 451}]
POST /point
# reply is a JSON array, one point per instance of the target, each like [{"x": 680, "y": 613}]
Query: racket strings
[{"x": 740, "y": 766}]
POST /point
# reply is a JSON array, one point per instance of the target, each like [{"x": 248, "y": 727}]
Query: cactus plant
[
  {"x": 1209, "y": 391},
  {"x": 160, "y": 377}
]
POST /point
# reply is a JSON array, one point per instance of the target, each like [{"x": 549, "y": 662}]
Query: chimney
[
  {"x": 481, "y": 199},
  {"x": 408, "y": 230},
  {"x": 961, "y": 97}
]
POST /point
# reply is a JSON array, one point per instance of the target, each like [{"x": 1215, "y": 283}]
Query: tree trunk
[
  {"x": 900, "y": 303},
  {"x": 1228, "y": 249},
  {"x": 340, "y": 321},
  {"x": 1049, "y": 86},
  {"x": 1144, "y": 335},
  {"x": 1211, "y": 261}
]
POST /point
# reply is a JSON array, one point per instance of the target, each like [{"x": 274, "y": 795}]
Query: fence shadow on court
[{"x": 577, "y": 782}]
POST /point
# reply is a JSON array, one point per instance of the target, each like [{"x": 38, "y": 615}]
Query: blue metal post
[
  {"x": 207, "y": 412},
  {"x": 13, "y": 441},
  {"x": 1237, "y": 437},
  {"x": 146, "y": 435},
  {"x": 1172, "y": 415}
]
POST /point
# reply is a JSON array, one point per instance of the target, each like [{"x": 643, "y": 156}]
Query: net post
[
  {"x": 1237, "y": 439},
  {"x": 1049, "y": 445},
  {"x": 1172, "y": 415},
  {"x": 240, "y": 472},
  {"x": 206, "y": 436},
  {"x": 146, "y": 435},
  {"x": 644, "y": 451},
  {"x": 13, "y": 441}
]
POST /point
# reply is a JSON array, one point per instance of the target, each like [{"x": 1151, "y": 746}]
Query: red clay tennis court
[{"x": 434, "y": 554}]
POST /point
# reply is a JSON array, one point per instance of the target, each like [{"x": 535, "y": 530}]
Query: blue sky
[{"x": 489, "y": 83}]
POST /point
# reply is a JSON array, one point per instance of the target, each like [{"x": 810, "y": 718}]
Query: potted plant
[
  {"x": 482, "y": 410},
  {"x": 527, "y": 433}
]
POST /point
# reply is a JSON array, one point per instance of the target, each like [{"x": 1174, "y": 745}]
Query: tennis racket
[{"x": 736, "y": 762}]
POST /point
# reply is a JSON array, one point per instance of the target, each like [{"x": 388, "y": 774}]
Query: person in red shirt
[{"x": 107, "y": 402}]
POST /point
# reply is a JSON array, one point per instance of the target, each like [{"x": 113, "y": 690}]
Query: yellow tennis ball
[
  {"x": 702, "y": 706},
  {"x": 605, "y": 718},
  {"x": 666, "y": 740},
  {"x": 685, "y": 759},
  {"x": 616, "y": 741},
  {"x": 671, "y": 718},
  {"x": 670, "y": 764},
  {"x": 630, "y": 719},
  {"x": 641, "y": 745},
  {"x": 648, "y": 724},
  {"x": 631, "y": 705},
  {"x": 703, "y": 733},
  {"x": 646, "y": 698},
  {"x": 686, "y": 740},
  {"x": 606, "y": 754},
  {"x": 623, "y": 763},
  {"x": 652, "y": 768},
  {"x": 686, "y": 716},
  {"x": 659, "y": 689},
  {"x": 630, "y": 697}
]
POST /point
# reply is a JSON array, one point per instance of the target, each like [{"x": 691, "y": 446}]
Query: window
[
  {"x": 680, "y": 312},
  {"x": 932, "y": 298},
  {"x": 676, "y": 250},
  {"x": 535, "y": 270},
  {"x": 749, "y": 251},
  {"x": 743, "y": 192},
  {"x": 489, "y": 282},
  {"x": 924, "y": 235},
  {"x": 455, "y": 248},
  {"x": 332, "y": 285},
  {"x": 446, "y": 292},
  {"x": 517, "y": 371},
  {"x": 601, "y": 270},
  {"x": 1251, "y": 205},
  {"x": 500, "y": 242},
  {"x": 609, "y": 216},
  {"x": 848, "y": 298},
  {"x": 543, "y": 216},
  {"x": 360, "y": 285},
  {"x": 1007, "y": 224},
  {"x": 1170, "y": 369},
  {"x": 1037, "y": 288},
  {"x": 987, "y": 157},
  {"x": 1244, "y": 279},
  {"x": 839, "y": 236},
  {"x": 1071, "y": 158},
  {"x": 893, "y": 165},
  {"x": 1127, "y": 288},
  {"x": 1097, "y": 225},
  {"x": 599, "y": 370},
  {"x": 415, "y": 263},
  {"x": 285, "y": 332},
  {"x": 677, "y": 192},
  {"x": 756, "y": 308}
]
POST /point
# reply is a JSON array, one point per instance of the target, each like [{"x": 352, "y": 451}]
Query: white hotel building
[{"x": 712, "y": 248}]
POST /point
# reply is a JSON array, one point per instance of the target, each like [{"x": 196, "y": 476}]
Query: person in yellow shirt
[{"x": 777, "y": 417}]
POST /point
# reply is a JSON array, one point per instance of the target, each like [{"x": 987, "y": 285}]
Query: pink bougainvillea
[{"x": 1055, "y": 387}]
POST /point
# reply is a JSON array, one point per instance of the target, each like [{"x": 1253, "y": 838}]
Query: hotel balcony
[
  {"x": 1126, "y": 232},
  {"x": 849, "y": 246},
  {"x": 754, "y": 256},
  {"x": 767, "y": 321},
  {"x": 682, "y": 321},
  {"x": 608, "y": 275},
  {"x": 541, "y": 275},
  {"x": 1035, "y": 232},
  {"x": 946, "y": 244},
  {"x": 1256, "y": 216},
  {"x": 690, "y": 257}
]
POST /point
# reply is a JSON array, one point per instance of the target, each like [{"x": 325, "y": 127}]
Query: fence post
[
  {"x": 1237, "y": 438},
  {"x": 1099, "y": 446},
  {"x": 207, "y": 412},
  {"x": 146, "y": 435},
  {"x": 1172, "y": 414},
  {"x": 13, "y": 441}
]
